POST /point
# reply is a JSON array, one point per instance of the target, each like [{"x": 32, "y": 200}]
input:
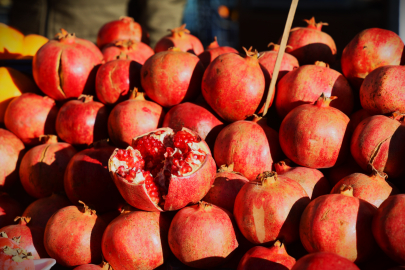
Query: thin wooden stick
[{"x": 280, "y": 54}]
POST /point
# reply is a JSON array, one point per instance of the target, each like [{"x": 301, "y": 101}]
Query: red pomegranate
[
  {"x": 103, "y": 265},
  {"x": 11, "y": 152},
  {"x": 202, "y": 235},
  {"x": 9, "y": 209},
  {"x": 245, "y": 144},
  {"x": 264, "y": 212},
  {"x": 42, "y": 209},
  {"x": 234, "y": 86},
  {"x": 356, "y": 118},
  {"x": 73, "y": 236},
  {"x": 272, "y": 137},
  {"x": 116, "y": 78},
  {"x": 378, "y": 143},
  {"x": 136, "y": 51},
  {"x": 87, "y": 179},
  {"x": 309, "y": 44},
  {"x": 43, "y": 166},
  {"x": 368, "y": 50},
  {"x": 13, "y": 257},
  {"x": 181, "y": 38},
  {"x": 324, "y": 261},
  {"x": 82, "y": 121},
  {"x": 312, "y": 181},
  {"x": 305, "y": 84},
  {"x": 337, "y": 173},
  {"x": 163, "y": 170},
  {"x": 29, "y": 116},
  {"x": 66, "y": 67},
  {"x": 339, "y": 223},
  {"x": 226, "y": 186},
  {"x": 213, "y": 51},
  {"x": 171, "y": 77},
  {"x": 124, "y": 28},
  {"x": 382, "y": 91},
  {"x": 315, "y": 135},
  {"x": 133, "y": 117},
  {"x": 143, "y": 232}
]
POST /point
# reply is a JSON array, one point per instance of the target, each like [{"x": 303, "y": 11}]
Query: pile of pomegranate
[{"x": 135, "y": 157}]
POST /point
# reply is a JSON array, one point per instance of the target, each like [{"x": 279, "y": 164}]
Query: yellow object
[
  {"x": 32, "y": 43},
  {"x": 11, "y": 42}
]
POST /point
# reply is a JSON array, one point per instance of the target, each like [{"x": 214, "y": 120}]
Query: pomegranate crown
[
  {"x": 179, "y": 31},
  {"x": 213, "y": 44},
  {"x": 228, "y": 168},
  {"x": 23, "y": 220},
  {"x": 276, "y": 47},
  {"x": 324, "y": 101},
  {"x": 346, "y": 190},
  {"x": 64, "y": 35},
  {"x": 87, "y": 210},
  {"x": 128, "y": 43},
  {"x": 126, "y": 19},
  {"x": 252, "y": 54},
  {"x": 313, "y": 25},
  {"x": 398, "y": 116},
  {"x": 266, "y": 178},
  {"x": 48, "y": 139}
]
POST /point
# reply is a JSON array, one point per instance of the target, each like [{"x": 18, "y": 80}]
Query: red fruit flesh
[
  {"x": 11, "y": 151},
  {"x": 324, "y": 261},
  {"x": 305, "y": 84},
  {"x": 66, "y": 67},
  {"x": 202, "y": 236},
  {"x": 264, "y": 213},
  {"x": 30, "y": 116},
  {"x": 213, "y": 51},
  {"x": 132, "y": 118},
  {"x": 171, "y": 77},
  {"x": 82, "y": 122},
  {"x": 9, "y": 209},
  {"x": 135, "y": 51},
  {"x": 163, "y": 170},
  {"x": 368, "y": 50},
  {"x": 73, "y": 236},
  {"x": 13, "y": 257}
]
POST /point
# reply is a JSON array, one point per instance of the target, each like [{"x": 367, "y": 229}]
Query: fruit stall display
[{"x": 118, "y": 156}]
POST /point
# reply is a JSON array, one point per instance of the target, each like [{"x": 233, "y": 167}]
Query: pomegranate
[
  {"x": 193, "y": 240},
  {"x": 103, "y": 265},
  {"x": 29, "y": 116},
  {"x": 213, "y": 51},
  {"x": 230, "y": 96},
  {"x": 143, "y": 232},
  {"x": 245, "y": 144},
  {"x": 13, "y": 257},
  {"x": 124, "y": 28},
  {"x": 225, "y": 188},
  {"x": 305, "y": 84},
  {"x": 368, "y": 50},
  {"x": 378, "y": 143},
  {"x": 11, "y": 152},
  {"x": 339, "y": 223},
  {"x": 272, "y": 137},
  {"x": 82, "y": 121},
  {"x": 43, "y": 166},
  {"x": 42, "y": 209},
  {"x": 181, "y": 38},
  {"x": 132, "y": 118},
  {"x": 163, "y": 170},
  {"x": 73, "y": 236},
  {"x": 310, "y": 44},
  {"x": 324, "y": 261},
  {"x": 136, "y": 51},
  {"x": 264, "y": 212},
  {"x": 312, "y": 181},
  {"x": 336, "y": 173},
  {"x": 87, "y": 179},
  {"x": 9, "y": 209},
  {"x": 315, "y": 135},
  {"x": 171, "y": 77},
  {"x": 115, "y": 79},
  {"x": 66, "y": 67}
]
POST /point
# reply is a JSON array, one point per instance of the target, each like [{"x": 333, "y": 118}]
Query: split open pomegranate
[{"x": 163, "y": 170}]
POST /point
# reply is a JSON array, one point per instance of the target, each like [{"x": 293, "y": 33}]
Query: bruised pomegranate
[
  {"x": 339, "y": 223},
  {"x": 309, "y": 44},
  {"x": 324, "y": 261},
  {"x": 163, "y": 170},
  {"x": 181, "y": 38},
  {"x": 139, "y": 231},
  {"x": 13, "y": 257},
  {"x": 9, "y": 209},
  {"x": 29, "y": 116},
  {"x": 66, "y": 67},
  {"x": 103, "y": 265},
  {"x": 73, "y": 236},
  {"x": 136, "y": 51},
  {"x": 264, "y": 212},
  {"x": 213, "y": 51},
  {"x": 202, "y": 235}
]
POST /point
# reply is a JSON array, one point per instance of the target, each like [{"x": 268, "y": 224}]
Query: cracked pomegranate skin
[{"x": 135, "y": 51}]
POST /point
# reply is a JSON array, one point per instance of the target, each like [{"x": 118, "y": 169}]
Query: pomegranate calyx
[
  {"x": 324, "y": 101},
  {"x": 204, "y": 205},
  {"x": 398, "y": 116},
  {"x": 48, "y": 139},
  {"x": 174, "y": 49},
  {"x": 276, "y": 47},
  {"x": 3, "y": 234},
  {"x": 267, "y": 178},
  {"x": 64, "y": 35},
  {"x": 126, "y": 19},
  {"x": 87, "y": 210},
  {"x": 283, "y": 166},
  {"x": 105, "y": 265},
  {"x": 226, "y": 168},
  {"x": 179, "y": 31},
  {"x": 346, "y": 190},
  {"x": 22, "y": 220},
  {"x": 135, "y": 94},
  {"x": 313, "y": 25},
  {"x": 377, "y": 173},
  {"x": 213, "y": 44},
  {"x": 123, "y": 56},
  {"x": 85, "y": 98},
  {"x": 321, "y": 64},
  {"x": 252, "y": 54},
  {"x": 127, "y": 209}
]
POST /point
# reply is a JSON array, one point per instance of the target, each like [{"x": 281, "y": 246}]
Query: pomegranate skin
[
  {"x": 135, "y": 51},
  {"x": 7, "y": 262},
  {"x": 12, "y": 150},
  {"x": 66, "y": 67},
  {"x": 193, "y": 240},
  {"x": 104, "y": 266},
  {"x": 315, "y": 136},
  {"x": 324, "y": 261},
  {"x": 9, "y": 209},
  {"x": 263, "y": 212},
  {"x": 73, "y": 236},
  {"x": 305, "y": 84},
  {"x": 244, "y": 144},
  {"x": 337, "y": 173},
  {"x": 213, "y": 51},
  {"x": 382, "y": 91},
  {"x": 356, "y": 118},
  {"x": 29, "y": 116},
  {"x": 82, "y": 122}
]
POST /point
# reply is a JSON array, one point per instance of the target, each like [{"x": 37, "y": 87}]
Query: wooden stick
[{"x": 280, "y": 54}]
